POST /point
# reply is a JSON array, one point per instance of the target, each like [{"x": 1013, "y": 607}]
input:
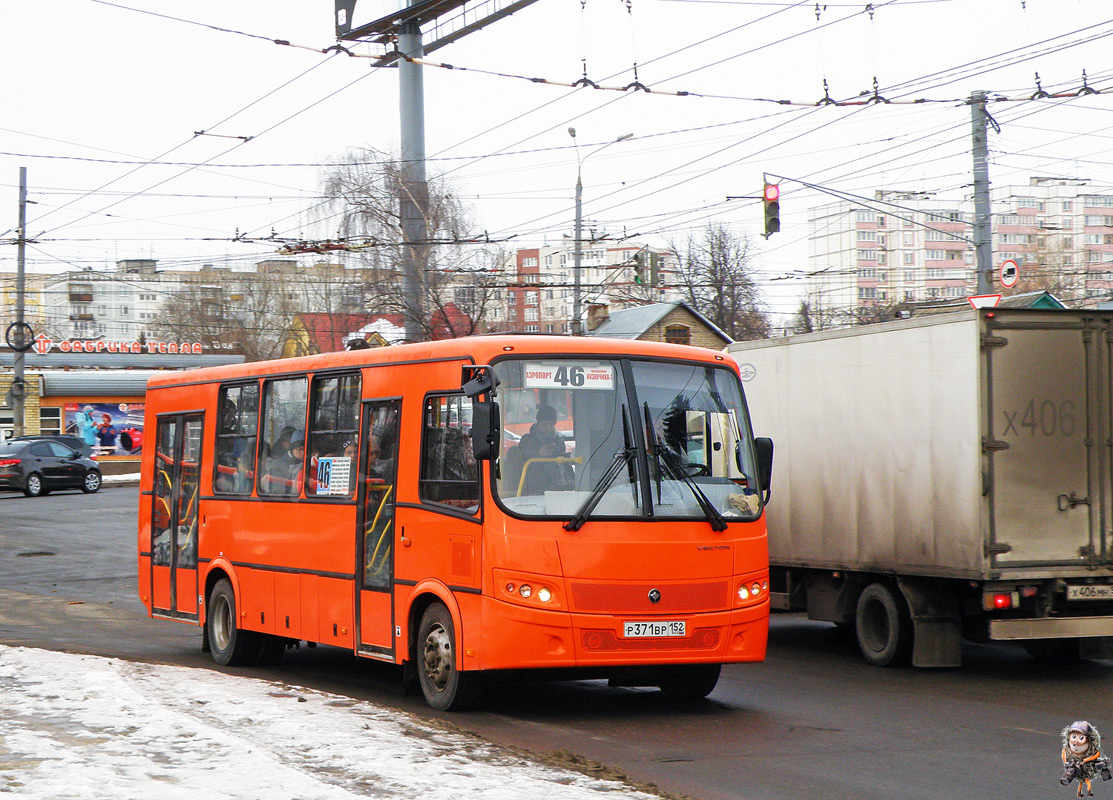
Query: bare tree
[
  {"x": 714, "y": 276},
  {"x": 253, "y": 312},
  {"x": 457, "y": 278},
  {"x": 812, "y": 317},
  {"x": 1050, "y": 268}
]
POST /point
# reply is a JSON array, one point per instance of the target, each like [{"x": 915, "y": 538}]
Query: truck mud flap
[{"x": 937, "y": 631}]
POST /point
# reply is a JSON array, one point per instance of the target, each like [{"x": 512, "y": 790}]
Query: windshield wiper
[
  {"x": 622, "y": 459},
  {"x": 664, "y": 455}
]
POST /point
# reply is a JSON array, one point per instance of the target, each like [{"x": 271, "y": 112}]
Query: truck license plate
[
  {"x": 640, "y": 630},
  {"x": 1090, "y": 591}
]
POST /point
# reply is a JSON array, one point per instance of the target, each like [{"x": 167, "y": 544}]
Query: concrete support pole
[
  {"x": 983, "y": 218},
  {"x": 414, "y": 200},
  {"x": 577, "y": 257},
  {"x": 20, "y": 289}
]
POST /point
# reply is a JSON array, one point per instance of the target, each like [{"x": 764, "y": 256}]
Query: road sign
[
  {"x": 984, "y": 300},
  {"x": 1010, "y": 274}
]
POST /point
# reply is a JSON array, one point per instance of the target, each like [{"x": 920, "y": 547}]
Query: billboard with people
[{"x": 111, "y": 429}]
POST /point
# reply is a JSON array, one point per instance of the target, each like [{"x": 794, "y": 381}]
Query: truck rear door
[{"x": 1044, "y": 425}]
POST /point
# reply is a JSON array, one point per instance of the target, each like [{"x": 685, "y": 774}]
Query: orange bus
[{"x": 583, "y": 506}]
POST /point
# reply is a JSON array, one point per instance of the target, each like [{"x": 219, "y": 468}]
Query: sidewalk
[
  {"x": 123, "y": 479},
  {"x": 119, "y": 472}
]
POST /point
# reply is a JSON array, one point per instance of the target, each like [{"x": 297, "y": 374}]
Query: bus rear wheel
[
  {"x": 689, "y": 681},
  {"x": 445, "y": 687},
  {"x": 230, "y": 646}
]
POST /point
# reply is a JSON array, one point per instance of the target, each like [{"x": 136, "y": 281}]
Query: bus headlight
[
  {"x": 752, "y": 590},
  {"x": 536, "y": 591}
]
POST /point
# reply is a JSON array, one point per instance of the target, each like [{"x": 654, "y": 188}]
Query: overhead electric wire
[{"x": 182, "y": 144}]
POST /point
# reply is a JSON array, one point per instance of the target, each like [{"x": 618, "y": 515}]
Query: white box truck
[{"x": 942, "y": 477}]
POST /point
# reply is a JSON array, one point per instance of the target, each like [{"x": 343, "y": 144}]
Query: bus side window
[
  {"x": 333, "y": 434},
  {"x": 234, "y": 468},
  {"x": 449, "y": 472},
  {"x": 282, "y": 455}
]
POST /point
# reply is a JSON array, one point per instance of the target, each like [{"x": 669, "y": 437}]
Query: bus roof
[{"x": 474, "y": 349}]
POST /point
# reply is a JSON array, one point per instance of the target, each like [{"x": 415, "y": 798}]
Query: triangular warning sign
[{"x": 984, "y": 300}]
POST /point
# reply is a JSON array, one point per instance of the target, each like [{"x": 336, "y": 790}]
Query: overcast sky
[{"x": 97, "y": 93}]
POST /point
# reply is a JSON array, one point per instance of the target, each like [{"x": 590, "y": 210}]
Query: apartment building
[
  {"x": 539, "y": 297},
  {"x": 913, "y": 247},
  {"x": 120, "y": 305},
  {"x": 32, "y": 300}
]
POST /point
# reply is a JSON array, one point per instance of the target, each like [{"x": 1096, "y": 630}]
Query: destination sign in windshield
[{"x": 569, "y": 375}]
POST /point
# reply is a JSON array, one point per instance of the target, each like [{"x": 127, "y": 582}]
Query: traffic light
[
  {"x": 772, "y": 199},
  {"x": 639, "y": 267},
  {"x": 654, "y": 269}
]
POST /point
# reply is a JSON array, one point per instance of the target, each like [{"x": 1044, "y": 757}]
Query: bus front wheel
[
  {"x": 230, "y": 646},
  {"x": 689, "y": 681},
  {"x": 445, "y": 687}
]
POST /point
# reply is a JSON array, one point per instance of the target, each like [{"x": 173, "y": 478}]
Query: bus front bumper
[{"x": 515, "y": 637}]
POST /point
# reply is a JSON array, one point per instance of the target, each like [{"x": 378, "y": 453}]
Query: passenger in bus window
[
  {"x": 295, "y": 461},
  {"x": 243, "y": 478},
  {"x": 380, "y": 463},
  {"x": 544, "y": 442},
  {"x": 278, "y": 464}
]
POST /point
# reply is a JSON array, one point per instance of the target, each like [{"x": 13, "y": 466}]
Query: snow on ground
[{"x": 74, "y": 726}]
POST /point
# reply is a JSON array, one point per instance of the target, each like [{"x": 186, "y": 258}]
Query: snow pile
[{"x": 87, "y": 727}]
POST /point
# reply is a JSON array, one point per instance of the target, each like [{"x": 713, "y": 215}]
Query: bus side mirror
[
  {"x": 477, "y": 380},
  {"x": 763, "y": 447},
  {"x": 485, "y": 429}
]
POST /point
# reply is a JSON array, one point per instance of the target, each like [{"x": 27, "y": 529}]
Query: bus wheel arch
[
  {"x": 218, "y": 569},
  {"x": 424, "y": 595},
  {"x": 446, "y": 687},
  {"x": 435, "y": 651},
  {"x": 228, "y": 643}
]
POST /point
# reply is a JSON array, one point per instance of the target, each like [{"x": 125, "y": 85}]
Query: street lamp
[{"x": 578, "y": 246}]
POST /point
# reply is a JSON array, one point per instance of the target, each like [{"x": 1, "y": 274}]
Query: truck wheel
[
  {"x": 689, "y": 681},
  {"x": 445, "y": 687},
  {"x": 884, "y": 626},
  {"x": 1051, "y": 650},
  {"x": 230, "y": 646}
]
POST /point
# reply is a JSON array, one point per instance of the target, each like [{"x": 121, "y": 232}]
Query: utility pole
[
  {"x": 414, "y": 199},
  {"x": 18, "y": 385},
  {"x": 577, "y": 257},
  {"x": 578, "y": 245},
  {"x": 983, "y": 229}
]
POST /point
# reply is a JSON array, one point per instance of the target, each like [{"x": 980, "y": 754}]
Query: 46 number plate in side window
[{"x": 641, "y": 630}]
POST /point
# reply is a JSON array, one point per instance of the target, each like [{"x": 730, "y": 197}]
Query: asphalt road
[{"x": 812, "y": 721}]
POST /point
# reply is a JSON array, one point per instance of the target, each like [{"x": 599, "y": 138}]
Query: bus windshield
[{"x": 624, "y": 438}]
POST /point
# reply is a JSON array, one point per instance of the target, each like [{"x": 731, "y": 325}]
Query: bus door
[
  {"x": 174, "y": 519},
  {"x": 378, "y": 476}
]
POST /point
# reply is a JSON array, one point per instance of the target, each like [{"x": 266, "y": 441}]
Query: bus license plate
[
  {"x": 654, "y": 630},
  {"x": 1090, "y": 591}
]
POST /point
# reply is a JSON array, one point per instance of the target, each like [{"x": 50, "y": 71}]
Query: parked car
[
  {"x": 38, "y": 466},
  {"x": 72, "y": 442}
]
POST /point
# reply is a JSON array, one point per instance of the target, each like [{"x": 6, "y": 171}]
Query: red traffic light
[{"x": 772, "y": 192}]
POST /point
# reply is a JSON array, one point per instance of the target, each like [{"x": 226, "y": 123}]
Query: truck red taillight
[{"x": 1000, "y": 600}]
